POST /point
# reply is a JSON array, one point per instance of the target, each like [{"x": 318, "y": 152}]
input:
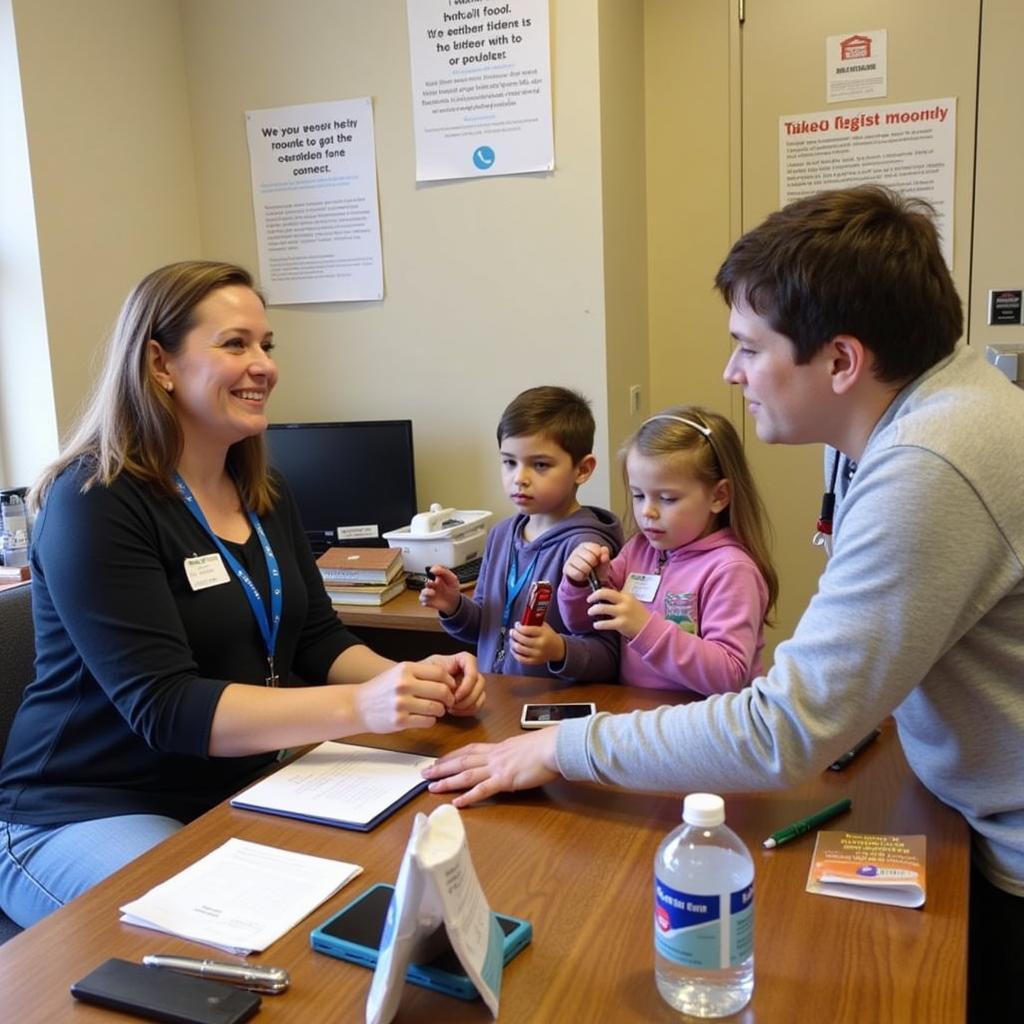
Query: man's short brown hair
[{"x": 861, "y": 261}]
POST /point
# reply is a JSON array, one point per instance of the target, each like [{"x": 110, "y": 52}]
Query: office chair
[{"x": 17, "y": 668}]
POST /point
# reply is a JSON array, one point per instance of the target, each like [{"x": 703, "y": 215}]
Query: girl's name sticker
[{"x": 642, "y": 585}]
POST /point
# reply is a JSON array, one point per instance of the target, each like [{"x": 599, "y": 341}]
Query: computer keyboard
[{"x": 466, "y": 574}]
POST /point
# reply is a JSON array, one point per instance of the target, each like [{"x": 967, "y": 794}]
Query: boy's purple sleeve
[{"x": 464, "y": 622}]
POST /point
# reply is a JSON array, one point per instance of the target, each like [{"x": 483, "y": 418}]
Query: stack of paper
[{"x": 241, "y": 897}]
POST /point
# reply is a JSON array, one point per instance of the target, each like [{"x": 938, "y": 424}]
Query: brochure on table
[
  {"x": 437, "y": 886},
  {"x": 874, "y": 868}
]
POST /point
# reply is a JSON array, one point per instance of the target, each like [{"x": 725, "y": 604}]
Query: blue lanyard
[
  {"x": 514, "y": 584},
  {"x": 269, "y": 624}
]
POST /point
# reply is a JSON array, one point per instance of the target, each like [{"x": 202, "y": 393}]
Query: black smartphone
[
  {"x": 354, "y": 933},
  {"x": 159, "y": 994}
]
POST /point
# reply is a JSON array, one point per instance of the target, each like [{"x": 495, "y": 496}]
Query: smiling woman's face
[{"x": 223, "y": 373}]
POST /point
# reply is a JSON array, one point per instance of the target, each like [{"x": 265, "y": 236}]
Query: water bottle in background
[
  {"x": 13, "y": 527},
  {"x": 704, "y": 913}
]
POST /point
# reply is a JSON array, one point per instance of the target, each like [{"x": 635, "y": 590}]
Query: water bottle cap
[{"x": 703, "y": 809}]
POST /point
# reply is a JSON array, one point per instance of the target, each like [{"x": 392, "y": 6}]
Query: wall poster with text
[
  {"x": 314, "y": 195},
  {"x": 481, "y": 87}
]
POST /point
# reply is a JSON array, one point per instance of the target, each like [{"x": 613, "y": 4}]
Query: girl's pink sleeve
[{"x": 727, "y": 654}]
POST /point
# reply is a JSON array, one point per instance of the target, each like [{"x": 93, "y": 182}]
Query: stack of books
[{"x": 362, "y": 575}]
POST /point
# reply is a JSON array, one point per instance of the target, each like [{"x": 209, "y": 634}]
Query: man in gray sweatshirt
[{"x": 846, "y": 320}]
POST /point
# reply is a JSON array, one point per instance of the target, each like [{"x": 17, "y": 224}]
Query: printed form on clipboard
[{"x": 342, "y": 784}]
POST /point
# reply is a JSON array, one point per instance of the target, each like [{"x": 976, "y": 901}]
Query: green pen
[{"x": 798, "y": 828}]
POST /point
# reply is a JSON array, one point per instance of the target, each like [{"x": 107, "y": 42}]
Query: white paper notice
[
  {"x": 481, "y": 87},
  {"x": 911, "y": 147},
  {"x": 314, "y": 194},
  {"x": 855, "y": 66},
  {"x": 240, "y": 897}
]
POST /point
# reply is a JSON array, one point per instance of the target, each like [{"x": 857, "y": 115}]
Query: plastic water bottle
[
  {"x": 704, "y": 913},
  {"x": 13, "y": 528}
]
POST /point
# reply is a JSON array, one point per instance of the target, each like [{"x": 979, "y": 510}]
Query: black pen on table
[
  {"x": 844, "y": 759},
  {"x": 798, "y": 828}
]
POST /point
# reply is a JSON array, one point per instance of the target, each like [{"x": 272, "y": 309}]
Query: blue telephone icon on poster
[{"x": 483, "y": 158}]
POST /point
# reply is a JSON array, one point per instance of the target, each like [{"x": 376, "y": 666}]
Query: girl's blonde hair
[
  {"x": 712, "y": 451},
  {"x": 129, "y": 424}
]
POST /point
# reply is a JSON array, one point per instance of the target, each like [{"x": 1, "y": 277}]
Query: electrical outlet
[{"x": 634, "y": 399}]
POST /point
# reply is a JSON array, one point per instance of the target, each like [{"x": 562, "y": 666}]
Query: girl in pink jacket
[{"x": 690, "y": 592}]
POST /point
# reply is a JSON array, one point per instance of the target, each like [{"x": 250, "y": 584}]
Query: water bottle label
[{"x": 700, "y": 930}]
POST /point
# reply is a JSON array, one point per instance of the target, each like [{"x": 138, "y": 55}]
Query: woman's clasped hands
[{"x": 414, "y": 695}]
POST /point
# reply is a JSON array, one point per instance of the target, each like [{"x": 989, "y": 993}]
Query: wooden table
[{"x": 576, "y": 860}]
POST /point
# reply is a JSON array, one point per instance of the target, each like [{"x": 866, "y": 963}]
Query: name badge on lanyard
[
  {"x": 268, "y": 620},
  {"x": 206, "y": 571}
]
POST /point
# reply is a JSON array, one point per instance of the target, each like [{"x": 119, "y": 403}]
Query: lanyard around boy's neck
[
  {"x": 269, "y": 623},
  {"x": 514, "y": 583}
]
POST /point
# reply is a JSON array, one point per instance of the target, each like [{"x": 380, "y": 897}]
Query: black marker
[
  {"x": 844, "y": 759},
  {"x": 595, "y": 583}
]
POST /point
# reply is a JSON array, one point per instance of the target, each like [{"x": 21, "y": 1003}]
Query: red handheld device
[{"x": 536, "y": 604}]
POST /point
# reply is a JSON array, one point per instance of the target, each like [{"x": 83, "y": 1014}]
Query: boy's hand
[
  {"x": 612, "y": 609},
  {"x": 536, "y": 645},
  {"x": 587, "y": 557},
  {"x": 442, "y": 592}
]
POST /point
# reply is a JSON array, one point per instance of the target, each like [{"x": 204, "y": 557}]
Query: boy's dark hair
[
  {"x": 861, "y": 261},
  {"x": 559, "y": 414}
]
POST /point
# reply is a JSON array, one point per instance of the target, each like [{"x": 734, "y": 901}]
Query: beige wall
[
  {"x": 28, "y": 426},
  {"x": 598, "y": 276},
  {"x": 689, "y": 200},
  {"x": 624, "y": 187},
  {"x": 491, "y": 285},
  {"x": 103, "y": 83},
  {"x": 998, "y": 257}
]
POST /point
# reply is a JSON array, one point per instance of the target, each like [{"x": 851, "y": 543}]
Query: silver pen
[{"x": 255, "y": 977}]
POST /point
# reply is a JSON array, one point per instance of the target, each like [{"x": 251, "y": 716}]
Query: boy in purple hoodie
[{"x": 545, "y": 437}]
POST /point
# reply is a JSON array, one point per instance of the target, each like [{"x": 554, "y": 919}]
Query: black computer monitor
[{"x": 352, "y": 481}]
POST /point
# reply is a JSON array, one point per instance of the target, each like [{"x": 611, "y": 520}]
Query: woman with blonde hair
[{"x": 177, "y": 604}]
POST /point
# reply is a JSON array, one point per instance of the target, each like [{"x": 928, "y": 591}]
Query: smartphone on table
[
  {"x": 537, "y": 716},
  {"x": 354, "y": 934},
  {"x": 159, "y": 994}
]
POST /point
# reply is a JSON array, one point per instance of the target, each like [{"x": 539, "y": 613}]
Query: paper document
[
  {"x": 339, "y": 784},
  {"x": 240, "y": 897}
]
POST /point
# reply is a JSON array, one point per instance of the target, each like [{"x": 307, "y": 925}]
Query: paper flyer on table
[
  {"x": 437, "y": 885},
  {"x": 240, "y": 897},
  {"x": 874, "y": 868}
]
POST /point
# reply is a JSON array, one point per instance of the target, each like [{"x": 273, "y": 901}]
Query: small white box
[{"x": 441, "y": 537}]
